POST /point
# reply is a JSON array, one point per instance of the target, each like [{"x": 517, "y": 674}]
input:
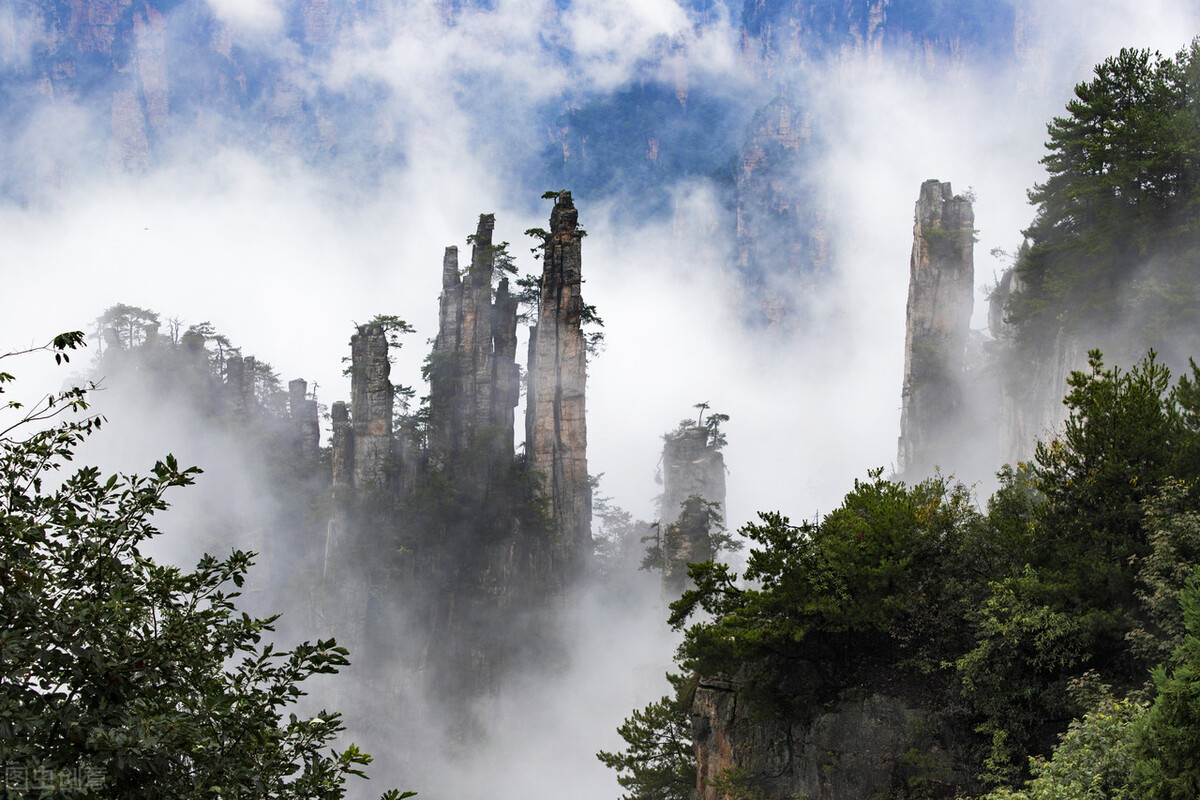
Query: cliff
[
  {"x": 444, "y": 549},
  {"x": 861, "y": 746},
  {"x": 938, "y": 317},
  {"x": 782, "y": 239},
  {"x": 1034, "y": 377}
]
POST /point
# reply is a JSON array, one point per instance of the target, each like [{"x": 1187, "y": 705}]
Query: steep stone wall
[
  {"x": 305, "y": 417},
  {"x": 555, "y": 421},
  {"x": 940, "y": 298},
  {"x": 781, "y": 234},
  {"x": 1031, "y": 391},
  {"x": 862, "y": 746}
]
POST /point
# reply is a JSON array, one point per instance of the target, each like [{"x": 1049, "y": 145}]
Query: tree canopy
[{"x": 1117, "y": 230}]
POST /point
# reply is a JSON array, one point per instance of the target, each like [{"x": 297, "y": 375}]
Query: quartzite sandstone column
[
  {"x": 555, "y": 422},
  {"x": 371, "y": 408},
  {"x": 940, "y": 296}
]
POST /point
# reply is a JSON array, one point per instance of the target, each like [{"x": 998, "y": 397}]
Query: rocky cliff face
[
  {"x": 940, "y": 298},
  {"x": 474, "y": 377},
  {"x": 372, "y": 397},
  {"x": 555, "y": 421},
  {"x": 782, "y": 241},
  {"x": 868, "y": 745},
  {"x": 693, "y": 474},
  {"x": 1033, "y": 381}
]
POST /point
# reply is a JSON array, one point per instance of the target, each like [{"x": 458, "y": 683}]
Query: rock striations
[
  {"x": 555, "y": 420},
  {"x": 473, "y": 375}
]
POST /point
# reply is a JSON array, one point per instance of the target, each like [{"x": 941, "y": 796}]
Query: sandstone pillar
[
  {"x": 940, "y": 297},
  {"x": 693, "y": 475},
  {"x": 555, "y": 421}
]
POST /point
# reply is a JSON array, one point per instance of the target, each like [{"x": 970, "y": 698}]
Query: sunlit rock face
[
  {"x": 940, "y": 298},
  {"x": 860, "y": 746}
]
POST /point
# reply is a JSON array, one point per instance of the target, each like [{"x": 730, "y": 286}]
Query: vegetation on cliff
[
  {"x": 1056, "y": 630},
  {"x": 1077, "y": 575},
  {"x": 124, "y": 677},
  {"x": 1113, "y": 246}
]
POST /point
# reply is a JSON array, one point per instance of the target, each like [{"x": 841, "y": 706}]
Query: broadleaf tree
[{"x": 123, "y": 677}]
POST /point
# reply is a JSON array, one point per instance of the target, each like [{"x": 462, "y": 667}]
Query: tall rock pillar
[
  {"x": 372, "y": 396},
  {"x": 555, "y": 420},
  {"x": 693, "y": 477},
  {"x": 474, "y": 382},
  {"x": 306, "y": 418},
  {"x": 940, "y": 296}
]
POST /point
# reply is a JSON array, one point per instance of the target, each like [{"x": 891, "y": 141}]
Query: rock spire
[
  {"x": 693, "y": 478},
  {"x": 555, "y": 421},
  {"x": 940, "y": 297},
  {"x": 473, "y": 375}
]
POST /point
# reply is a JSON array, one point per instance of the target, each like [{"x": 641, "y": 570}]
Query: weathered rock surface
[
  {"x": 940, "y": 298},
  {"x": 372, "y": 397},
  {"x": 555, "y": 420},
  {"x": 474, "y": 378},
  {"x": 863, "y": 746},
  {"x": 305, "y": 417},
  {"x": 782, "y": 240}
]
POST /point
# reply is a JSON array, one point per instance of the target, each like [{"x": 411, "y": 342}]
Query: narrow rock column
[
  {"x": 555, "y": 422},
  {"x": 693, "y": 471},
  {"x": 305, "y": 417},
  {"x": 342, "y": 456},
  {"x": 474, "y": 382},
  {"x": 249, "y": 401},
  {"x": 371, "y": 407},
  {"x": 940, "y": 297}
]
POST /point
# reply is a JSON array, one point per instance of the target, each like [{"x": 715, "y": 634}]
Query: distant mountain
[{"x": 128, "y": 84}]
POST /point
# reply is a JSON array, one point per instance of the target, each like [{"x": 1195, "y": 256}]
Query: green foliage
[
  {"x": 1093, "y": 760},
  {"x": 1173, "y": 525},
  {"x": 1119, "y": 208},
  {"x": 1078, "y": 580},
  {"x": 658, "y": 762},
  {"x": 127, "y": 326},
  {"x": 1080, "y": 572},
  {"x": 653, "y": 558},
  {"x": 881, "y": 571},
  {"x": 142, "y": 676},
  {"x": 393, "y": 326},
  {"x": 1168, "y": 747},
  {"x": 715, "y": 436}
]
